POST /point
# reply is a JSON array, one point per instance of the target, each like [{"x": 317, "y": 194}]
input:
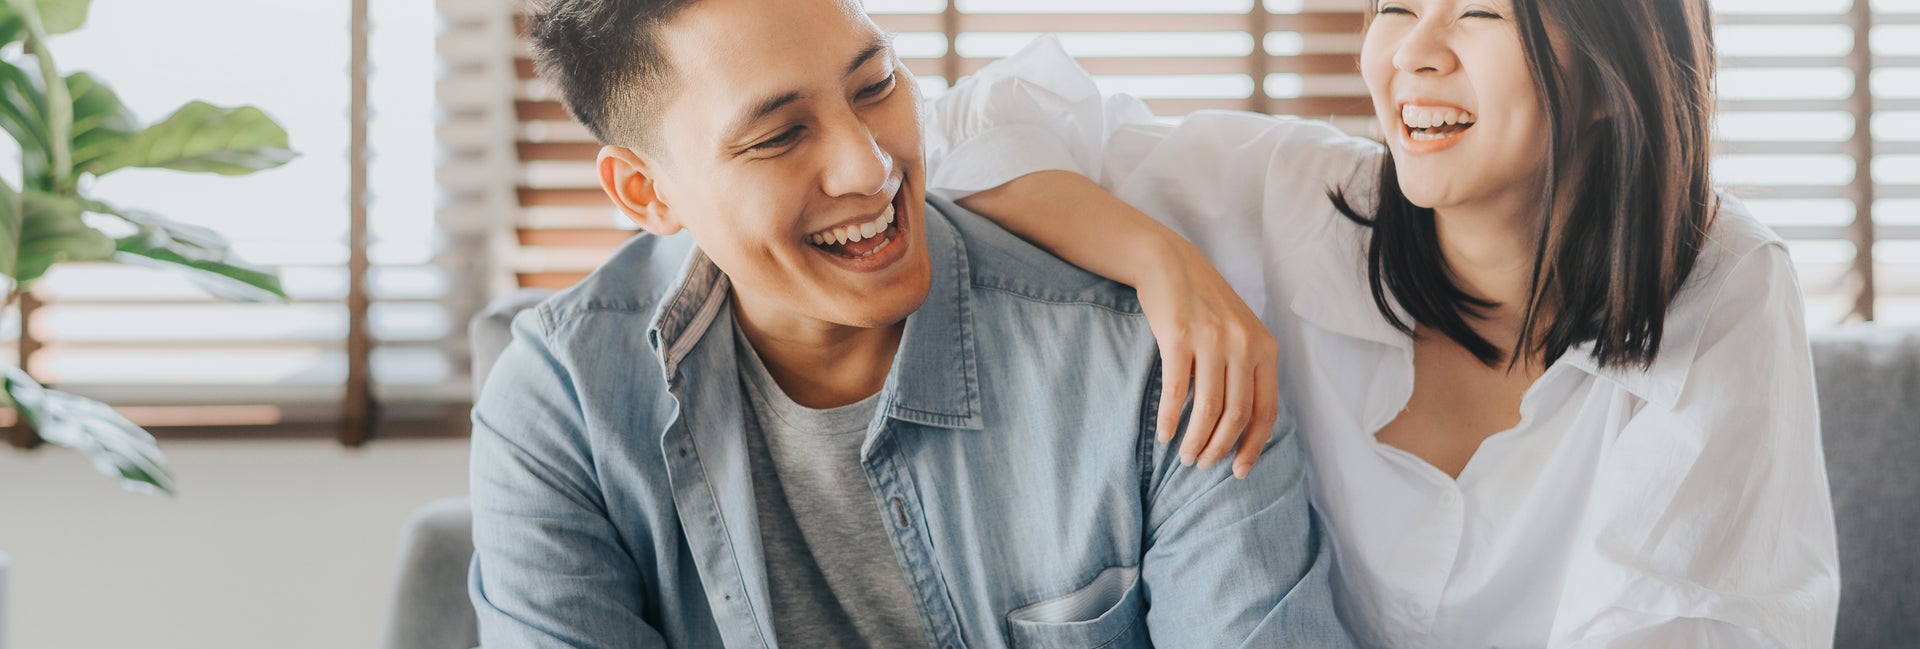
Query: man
[{"x": 849, "y": 417}]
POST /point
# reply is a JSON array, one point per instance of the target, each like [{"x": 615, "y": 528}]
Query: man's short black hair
[{"x": 606, "y": 59}]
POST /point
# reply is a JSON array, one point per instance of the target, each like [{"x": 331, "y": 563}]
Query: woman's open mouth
[{"x": 1426, "y": 124}]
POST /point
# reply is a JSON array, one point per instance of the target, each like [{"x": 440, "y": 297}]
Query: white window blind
[
  {"x": 180, "y": 361},
  {"x": 1819, "y": 129},
  {"x": 1818, "y": 133}
]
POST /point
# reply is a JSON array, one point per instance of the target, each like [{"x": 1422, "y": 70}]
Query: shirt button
[{"x": 900, "y": 511}]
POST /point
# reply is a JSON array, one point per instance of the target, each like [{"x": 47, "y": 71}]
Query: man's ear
[{"x": 629, "y": 181}]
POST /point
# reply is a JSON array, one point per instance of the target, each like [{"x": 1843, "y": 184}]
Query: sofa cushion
[{"x": 1869, "y": 383}]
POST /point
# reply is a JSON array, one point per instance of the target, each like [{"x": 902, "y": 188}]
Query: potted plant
[{"x": 71, "y": 130}]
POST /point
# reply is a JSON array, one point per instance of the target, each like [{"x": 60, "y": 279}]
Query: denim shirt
[{"x": 1012, "y": 460}]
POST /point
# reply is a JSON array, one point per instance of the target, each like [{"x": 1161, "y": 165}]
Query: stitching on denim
[{"x": 1057, "y": 301}]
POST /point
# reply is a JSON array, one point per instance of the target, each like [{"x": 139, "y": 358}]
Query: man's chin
[{"x": 881, "y": 309}]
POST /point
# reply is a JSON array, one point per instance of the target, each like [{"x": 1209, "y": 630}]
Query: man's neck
[{"x": 818, "y": 364}]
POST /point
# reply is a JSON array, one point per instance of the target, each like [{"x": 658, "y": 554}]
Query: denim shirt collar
[{"x": 934, "y": 380}]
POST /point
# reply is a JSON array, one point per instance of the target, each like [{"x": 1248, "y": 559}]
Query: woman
[{"x": 1556, "y": 391}]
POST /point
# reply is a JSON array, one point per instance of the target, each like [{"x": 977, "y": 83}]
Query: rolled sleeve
[{"x": 1239, "y": 563}]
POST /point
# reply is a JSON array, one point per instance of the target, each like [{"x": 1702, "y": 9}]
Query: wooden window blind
[
  {"x": 1819, "y": 128},
  {"x": 372, "y": 338}
]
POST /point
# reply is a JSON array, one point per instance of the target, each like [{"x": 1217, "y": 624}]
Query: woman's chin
[{"x": 1423, "y": 195}]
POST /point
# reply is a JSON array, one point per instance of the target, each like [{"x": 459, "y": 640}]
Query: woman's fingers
[
  {"x": 1209, "y": 396},
  {"x": 1266, "y": 411},
  {"x": 1176, "y": 370},
  {"x": 1236, "y": 411}
]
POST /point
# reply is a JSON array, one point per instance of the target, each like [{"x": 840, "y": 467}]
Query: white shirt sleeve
[
  {"x": 1710, "y": 523},
  {"x": 1037, "y": 110},
  {"x": 1242, "y": 187}
]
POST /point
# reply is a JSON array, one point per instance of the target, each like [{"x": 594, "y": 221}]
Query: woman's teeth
[
  {"x": 1425, "y": 117},
  {"x": 852, "y": 233}
]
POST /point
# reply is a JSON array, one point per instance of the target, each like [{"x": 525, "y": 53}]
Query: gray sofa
[{"x": 1869, "y": 380}]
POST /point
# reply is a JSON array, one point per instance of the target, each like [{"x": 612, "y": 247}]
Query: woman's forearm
[{"x": 1079, "y": 221}]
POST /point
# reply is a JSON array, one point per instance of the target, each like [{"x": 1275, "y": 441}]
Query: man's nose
[{"x": 856, "y": 165}]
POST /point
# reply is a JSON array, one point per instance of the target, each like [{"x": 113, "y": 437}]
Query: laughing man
[{"x": 839, "y": 413}]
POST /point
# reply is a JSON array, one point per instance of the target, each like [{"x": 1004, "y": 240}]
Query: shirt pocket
[{"x": 1109, "y": 612}]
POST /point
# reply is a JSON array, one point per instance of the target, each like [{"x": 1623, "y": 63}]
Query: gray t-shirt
[{"x": 832, "y": 573}]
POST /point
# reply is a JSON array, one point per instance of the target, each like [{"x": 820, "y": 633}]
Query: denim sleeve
[
  {"x": 549, "y": 569},
  {"x": 1237, "y": 563}
]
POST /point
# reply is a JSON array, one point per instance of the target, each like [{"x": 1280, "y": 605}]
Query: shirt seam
[{"x": 1057, "y": 301}]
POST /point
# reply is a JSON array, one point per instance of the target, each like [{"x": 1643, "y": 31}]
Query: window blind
[
  {"x": 1819, "y": 129},
  {"x": 185, "y": 364}
]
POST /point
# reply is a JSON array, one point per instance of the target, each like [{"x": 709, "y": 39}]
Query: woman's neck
[{"x": 1489, "y": 253}]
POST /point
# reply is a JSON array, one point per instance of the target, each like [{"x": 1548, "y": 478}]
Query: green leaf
[
  {"x": 10, "y": 223},
  {"x": 51, "y": 231},
  {"x": 23, "y": 114},
  {"x": 59, "y": 16},
  {"x": 62, "y": 16},
  {"x": 115, "y": 446},
  {"x": 205, "y": 138},
  {"x": 101, "y": 123},
  {"x": 59, "y": 103},
  {"x": 163, "y": 242}
]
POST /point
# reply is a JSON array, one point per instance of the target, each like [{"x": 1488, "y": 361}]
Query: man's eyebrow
[
  {"x": 767, "y": 106},
  {"x": 873, "y": 49},
  {"x": 764, "y": 108}
]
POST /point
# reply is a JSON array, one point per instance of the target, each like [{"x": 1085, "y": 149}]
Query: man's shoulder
[
  {"x": 1000, "y": 262},
  {"x": 634, "y": 280}
]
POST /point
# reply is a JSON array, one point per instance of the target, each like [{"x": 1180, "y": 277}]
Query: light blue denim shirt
[{"x": 1012, "y": 460}]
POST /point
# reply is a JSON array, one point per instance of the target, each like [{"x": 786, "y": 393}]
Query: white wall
[{"x": 283, "y": 544}]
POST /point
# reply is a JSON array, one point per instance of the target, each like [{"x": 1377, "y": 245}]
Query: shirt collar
[
  {"x": 934, "y": 380},
  {"x": 1341, "y": 301}
]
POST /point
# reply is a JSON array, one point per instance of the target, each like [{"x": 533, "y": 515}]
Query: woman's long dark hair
[{"x": 1627, "y": 200}]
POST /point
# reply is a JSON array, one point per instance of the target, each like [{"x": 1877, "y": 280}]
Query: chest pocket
[{"x": 1108, "y": 613}]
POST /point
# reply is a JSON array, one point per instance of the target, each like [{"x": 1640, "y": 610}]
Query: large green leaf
[
  {"x": 101, "y": 123},
  {"x": 205, "y": 138},
  {"x": 10, "y": 222},
  {"x": 62, "y": 16},
  {"x": 116, "y": 446},
  {"x": 204, "y": 253},
  {"x": 59, "y": 16},
  {"x": 23, "y": 114},
  {"x": 51, "y": 231},
  {"x": 59, "y": 103}
]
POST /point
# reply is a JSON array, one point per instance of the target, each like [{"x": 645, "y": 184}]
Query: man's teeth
[
  {"x": 856, "y": 232},
  {"x": 1430, "y": 117}
]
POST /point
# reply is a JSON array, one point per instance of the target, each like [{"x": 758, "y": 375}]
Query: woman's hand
[{"x": 1212, "y": 344}]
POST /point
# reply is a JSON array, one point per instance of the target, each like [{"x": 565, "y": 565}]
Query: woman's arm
[
  {"x": 1030, "y": 142},
  {"x": 1206, "y": 333}
]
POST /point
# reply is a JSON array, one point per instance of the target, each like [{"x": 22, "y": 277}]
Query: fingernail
[
  {"x": 1207, "y": 463},
  {"x": 1186, "y": 460},
  {"x": 1239, "y": 473}
]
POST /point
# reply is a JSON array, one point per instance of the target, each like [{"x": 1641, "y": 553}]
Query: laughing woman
[{"x": 1556, "y": 389}]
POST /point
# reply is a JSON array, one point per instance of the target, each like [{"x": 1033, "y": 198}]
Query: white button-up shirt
[{"x": 1683, "y": 505}]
